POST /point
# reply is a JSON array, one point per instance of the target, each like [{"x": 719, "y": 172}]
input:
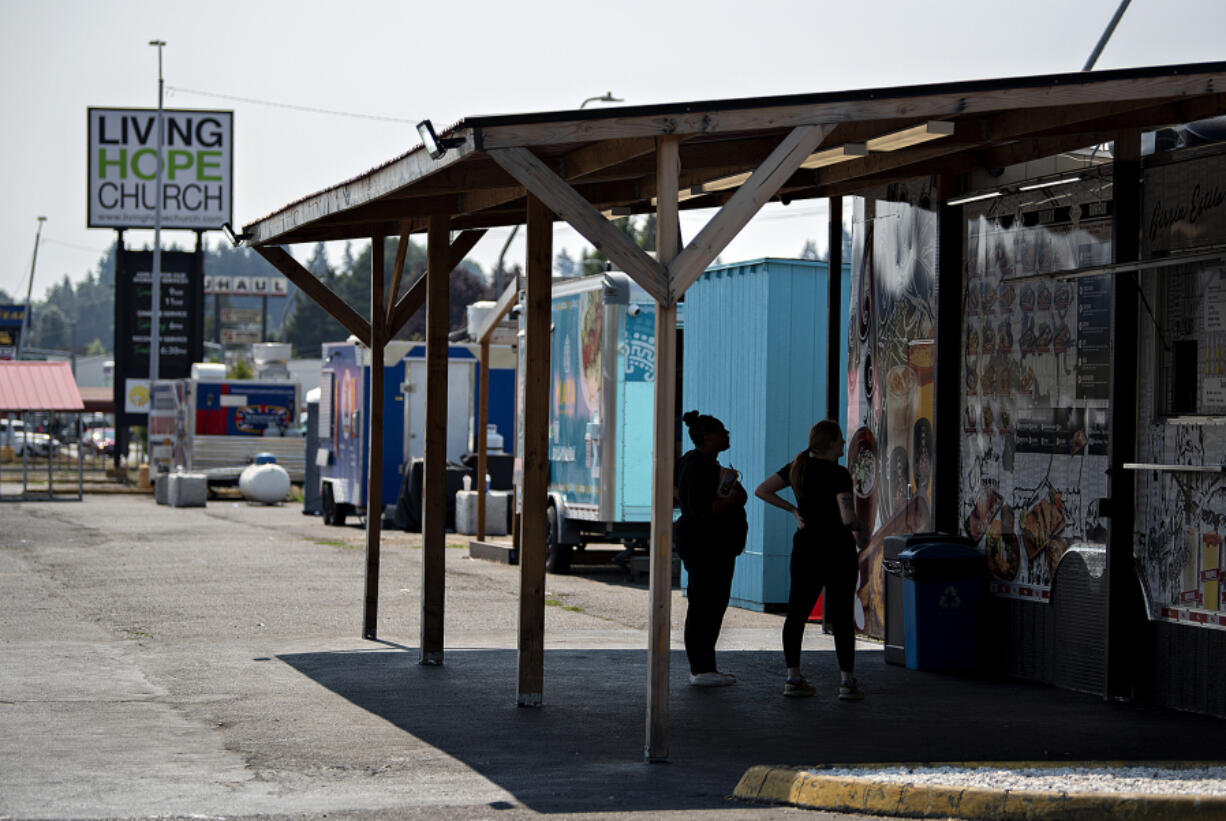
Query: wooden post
[
  {"x": 434, "y": 472},
  {"x": 1126, "y": 623},
  {"x": 483, "y": 416},
  {"x": 947, "y": 389},
  {"x": 668, "y": 169},
  {"x": 836, "y": 332},
  {"x": 374, "y": 475},
  {"x": 535, "y": 461}
]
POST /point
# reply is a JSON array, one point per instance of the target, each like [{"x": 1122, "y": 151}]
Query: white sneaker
[{"x": 711, "y": 679}]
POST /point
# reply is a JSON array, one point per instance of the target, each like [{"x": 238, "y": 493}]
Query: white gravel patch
[{"x": 1152, "y": 780}]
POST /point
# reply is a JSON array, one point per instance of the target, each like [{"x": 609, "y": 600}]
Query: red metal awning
[{"x": 38, "y": 386}]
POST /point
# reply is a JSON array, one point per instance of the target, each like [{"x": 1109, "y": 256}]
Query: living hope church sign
[{"x": 197, "y": 171}]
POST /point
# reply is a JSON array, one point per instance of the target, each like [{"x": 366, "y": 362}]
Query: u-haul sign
[{"x": 197, "y": 168}]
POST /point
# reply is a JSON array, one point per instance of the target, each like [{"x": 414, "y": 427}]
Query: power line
[
  {"x": 60, "y": 242},
  {"x": 273, "y": 104}
]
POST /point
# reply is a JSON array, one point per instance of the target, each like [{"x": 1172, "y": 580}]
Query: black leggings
[
  {"x": 709, "y": 588},
  {"x": 816, "y": 565}
]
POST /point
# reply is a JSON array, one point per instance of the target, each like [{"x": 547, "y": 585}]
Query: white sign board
[
  {"x": 197, "y": 168},
  {"x": 247, "y": 286},
  {"x": 136, "y": 396}
]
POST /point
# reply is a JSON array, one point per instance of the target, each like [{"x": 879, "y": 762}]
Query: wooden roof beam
[
  {"x": 415, "y": 297},
  {"x": 336, "y": 307},
  {"x": 506, "y": 300},
  {"x": 574, "y": 166},
  {"x": 567, "y": 203},
  {"x": 940, "y": 104},
  {"x": 763, "y": 184}
]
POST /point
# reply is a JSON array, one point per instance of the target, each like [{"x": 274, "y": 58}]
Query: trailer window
[{"x": 1190, "y": 319}]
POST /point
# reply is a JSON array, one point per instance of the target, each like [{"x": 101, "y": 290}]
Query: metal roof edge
[{"x": 816, "y": 98}]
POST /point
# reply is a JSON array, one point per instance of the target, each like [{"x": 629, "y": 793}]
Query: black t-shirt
[
  {"x": 697, "y": 484},
  {"x": 701, "y": 530},
  {"x": 818, "y": 499}
]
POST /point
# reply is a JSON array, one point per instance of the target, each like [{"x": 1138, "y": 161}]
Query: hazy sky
[{"x": 409, "y": 60}]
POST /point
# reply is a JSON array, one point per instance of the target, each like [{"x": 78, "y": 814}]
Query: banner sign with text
[
  {"x": 247, "y": 286},
  {"x": 197, "y": 176},
  {"x": 11, "y": 317},
  {"x": 180, "y": 322}
]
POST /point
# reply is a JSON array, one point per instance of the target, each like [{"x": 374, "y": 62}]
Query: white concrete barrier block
[
  {"x": 161, "y": 488},
  {"x": 496, "y": 502},
  {"x": 188, "y": 489}
]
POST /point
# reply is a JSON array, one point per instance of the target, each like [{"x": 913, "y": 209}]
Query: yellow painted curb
[{"x": 803, "y": 788}]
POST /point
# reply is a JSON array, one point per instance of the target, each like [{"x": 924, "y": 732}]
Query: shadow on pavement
[{"x": 586, "y": 744}]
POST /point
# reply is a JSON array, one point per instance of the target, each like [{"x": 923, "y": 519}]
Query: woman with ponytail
[
  {"x": 709, "y": 535},
  {"x": 824, "y": 549}
]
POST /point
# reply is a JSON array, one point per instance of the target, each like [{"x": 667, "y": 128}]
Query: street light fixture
[
  {"x": 155, "y": 313},
  {"x": 606, "y": 98}
]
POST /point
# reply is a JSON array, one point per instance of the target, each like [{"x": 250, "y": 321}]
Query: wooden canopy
[
  {"x": 734, "y": 155},
  {"x": 607, "y": 156}
]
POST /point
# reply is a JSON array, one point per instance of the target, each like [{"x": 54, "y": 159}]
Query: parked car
[
  {"x": 100, "y": 441},
  {"x": 13, "y": 433}
]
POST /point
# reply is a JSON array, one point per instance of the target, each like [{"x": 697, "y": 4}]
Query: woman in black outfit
[
  {"x": 824, "y": 552},
  {"x": 710, "y": 534}
]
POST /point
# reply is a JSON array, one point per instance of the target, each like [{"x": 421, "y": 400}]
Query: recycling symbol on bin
[{"x": 950, "y": 600}]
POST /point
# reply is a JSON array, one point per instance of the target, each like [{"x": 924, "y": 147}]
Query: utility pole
[
  {"x": 25, "y": 315},
  {"x": 155, "y": 314},
  {"x": 155, "y": 317},
  {"x": 1102, "y": 41}
]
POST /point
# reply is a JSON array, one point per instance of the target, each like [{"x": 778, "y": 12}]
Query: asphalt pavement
[{"x": 161, "y": 662}]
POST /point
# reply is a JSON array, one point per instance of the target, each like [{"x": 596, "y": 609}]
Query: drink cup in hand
[{"x": 727, "y": 480}]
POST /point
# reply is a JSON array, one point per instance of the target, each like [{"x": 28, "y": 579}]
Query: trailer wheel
[
  {"x": 334, "y": 514},
  {"x": 557, "y": 556}
]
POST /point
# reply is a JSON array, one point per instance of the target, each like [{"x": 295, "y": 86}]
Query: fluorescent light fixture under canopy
[
  {"x": 1050, "y": 183},
  {"x": 838, "y": 154},
  {"x": 974, "y": 198},
  {"x": 922, "y": 133}
]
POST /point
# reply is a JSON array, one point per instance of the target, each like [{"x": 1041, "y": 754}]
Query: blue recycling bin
[{"x": 941, "y": 585}]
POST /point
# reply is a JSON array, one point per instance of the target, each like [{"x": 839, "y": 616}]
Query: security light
[
  {"x": 235, "y": 239},
  {"x": 436, "y": 146}
]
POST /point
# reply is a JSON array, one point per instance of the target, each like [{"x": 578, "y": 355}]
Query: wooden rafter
[
  {"x": 740, "y": 208},
  {"x": 942, "y": 103},
  {"x": 564, "y": 201},
  {"x": 336, "y": 307},
  {"x": 415, "y": 297},
  {"x": 402, "y": 248},
  {"x": 505, "y": 301}
]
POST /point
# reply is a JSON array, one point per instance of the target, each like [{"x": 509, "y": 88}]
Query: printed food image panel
[
  {"x": 1181, "y": 500},
  {"x": 891, "y": 363},
  {"x": 1035, "y": 376}
]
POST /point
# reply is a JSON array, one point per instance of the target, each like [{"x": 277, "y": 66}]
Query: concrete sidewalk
[{"x": 165, "y": 662}]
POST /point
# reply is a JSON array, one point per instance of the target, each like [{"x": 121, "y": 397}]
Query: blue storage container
[
  {"x": 941, "y": 584},
  {"x": 755, "y": 356}
]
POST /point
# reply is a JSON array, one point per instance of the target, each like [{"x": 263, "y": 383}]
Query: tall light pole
[
  {"x": 25, "y": 315},
  {"x": 155, "y": 316},
  {"x": 1102, "y": 41}
]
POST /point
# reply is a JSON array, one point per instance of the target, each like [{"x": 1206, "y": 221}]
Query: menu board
[
  {"x": 1036, "y": 369},
  {"x": 1181, "y": 504},
  {"x": 1191, "y": 356}
]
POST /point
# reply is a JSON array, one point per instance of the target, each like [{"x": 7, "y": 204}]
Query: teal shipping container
[{"x": 755, "y": 356}]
